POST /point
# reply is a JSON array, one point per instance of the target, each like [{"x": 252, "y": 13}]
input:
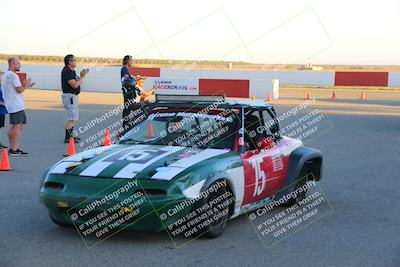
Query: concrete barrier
[
  {"x": 107, "y": 79},
  {"x": 317, "y": 78},
  {"x": 394, "y": 79}
]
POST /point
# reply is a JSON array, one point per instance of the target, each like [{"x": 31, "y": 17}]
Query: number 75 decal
[{"x": 260, "y": 176}]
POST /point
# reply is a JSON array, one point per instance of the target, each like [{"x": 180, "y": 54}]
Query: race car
[{"x": 191, "y": 164}]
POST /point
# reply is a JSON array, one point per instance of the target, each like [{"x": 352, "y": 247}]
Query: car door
[{"x": 263, "y": 165}]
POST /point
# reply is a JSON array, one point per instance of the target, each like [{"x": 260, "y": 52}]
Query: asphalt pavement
[{"x": 361, "y": 181}]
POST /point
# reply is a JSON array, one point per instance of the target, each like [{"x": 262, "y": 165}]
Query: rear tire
[{"x": 301, "y": 195}]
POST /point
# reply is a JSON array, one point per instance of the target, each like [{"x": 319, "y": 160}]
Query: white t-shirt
[{"x": 13, "y": 100}]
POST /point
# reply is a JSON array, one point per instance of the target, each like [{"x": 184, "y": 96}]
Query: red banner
[
  {"x": 361, "y": 78},
  {"x": 148, "y": 72},
  {"x": 231, "y": 88}
]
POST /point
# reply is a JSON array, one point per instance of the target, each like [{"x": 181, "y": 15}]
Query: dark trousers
[{"x": 131, "y": 113}]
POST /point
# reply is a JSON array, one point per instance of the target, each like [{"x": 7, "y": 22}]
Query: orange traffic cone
[
  {"x": 308, "y": 97},
  {"x": 150, "y": 130},
  {"x": 107, "y": 138},
  {"x": 71, "y": 147},
  {"x": 269, "y": 97},
  {"x": 363, "y": 97},
  {"x": 333, "y": 95},
  {"x": 253, "y": 98},
  {"x": 5, "y": 163}
]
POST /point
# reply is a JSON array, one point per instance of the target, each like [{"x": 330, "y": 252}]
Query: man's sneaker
[
  {"x": 2, "y": 146},
  {"x": 22, "y": 152},
  {"x": 17, "y": 153}
]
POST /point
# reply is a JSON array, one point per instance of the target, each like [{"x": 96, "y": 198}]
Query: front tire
[
  {"x": 55, "y": 221},
  {"x": 217, "y": 227}
]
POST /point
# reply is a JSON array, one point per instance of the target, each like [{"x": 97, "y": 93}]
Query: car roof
[
  {"x": 204, "y": 101},
  {"x": 249, "y": 103}
]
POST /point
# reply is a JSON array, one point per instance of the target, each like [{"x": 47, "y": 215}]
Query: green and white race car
[{"x": 193, "y": 163}]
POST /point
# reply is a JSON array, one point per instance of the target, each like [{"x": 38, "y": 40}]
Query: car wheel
[
  {"x": 217, "y": 226},
  {"x": 303, "y": 193},
  {"x": 55, "y": 221}
]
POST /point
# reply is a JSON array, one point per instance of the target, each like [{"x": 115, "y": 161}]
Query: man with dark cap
[
  {"x": 133, "y": 93},
  {"x": 129, "y": 89},
  {"x": 127, "y": 63}
]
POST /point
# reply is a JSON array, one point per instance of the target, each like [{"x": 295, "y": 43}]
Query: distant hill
[{"x": 188, "y": 64}]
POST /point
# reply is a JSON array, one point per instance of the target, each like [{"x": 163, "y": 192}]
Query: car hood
[{"x": 130, "y": 161}]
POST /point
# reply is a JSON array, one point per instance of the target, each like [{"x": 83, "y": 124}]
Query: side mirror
[{"x": 274, "y": 128}]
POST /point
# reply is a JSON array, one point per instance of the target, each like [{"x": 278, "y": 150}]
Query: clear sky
[{"x": 295, "y": 31}]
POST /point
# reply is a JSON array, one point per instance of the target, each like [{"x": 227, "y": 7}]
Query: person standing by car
[
  {"x": 127, "y": 63},
  {"x": 3, "y": 110},
  {"x": 129, "y": 90},
  {"x": 133, "y": 93},
  {"x": 71, "y": 87},
  {"x": 13, "y": 90}
]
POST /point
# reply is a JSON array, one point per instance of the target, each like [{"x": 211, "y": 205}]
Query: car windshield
[{"x": 214, "y": 129}]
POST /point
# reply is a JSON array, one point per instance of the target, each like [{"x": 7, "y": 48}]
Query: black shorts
[
  {"x": 18, "y": 117},
  {"x": 2, "y": 117}
]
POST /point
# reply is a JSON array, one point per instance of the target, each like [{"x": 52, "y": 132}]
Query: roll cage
[{"x": 243, "y": 108}]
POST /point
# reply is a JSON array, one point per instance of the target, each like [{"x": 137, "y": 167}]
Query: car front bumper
[{"x": 150, "y": 215}]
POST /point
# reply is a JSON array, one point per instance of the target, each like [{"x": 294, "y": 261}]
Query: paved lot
[{"x": 361, "y": 156}]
